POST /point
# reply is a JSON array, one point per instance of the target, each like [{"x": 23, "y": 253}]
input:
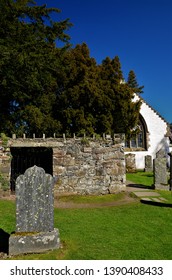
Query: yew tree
[
  {"x": 29, "y": 66},
  {"x": 94, "y": 98},
  {"x": 132, "y": 82},
  {"x": 79, "y": 97},
  {"x": 123, "y": 111},
  {"x": 46, "y": 86}
]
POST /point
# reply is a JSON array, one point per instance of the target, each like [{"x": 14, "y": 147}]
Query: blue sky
[{"x": 138, "y": 31}]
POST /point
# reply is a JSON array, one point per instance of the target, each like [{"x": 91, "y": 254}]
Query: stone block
[
  {"x": 99, "y": 150},
  {"x": 87, "y": 149},
  {"x": 58, "y": 153},
  {"x": 59, "y": 170},
  {"x": 68, "y": 160},
  {"x": 116, "y": 187},
  {"x": 22, "y": 243},
  {"x": 100, "y": 171},
  {"x": 58, "y": 161},
  {"x": 73, "y": 150},
  {"x": 108, "y": 164},
  {"x": 96, "y": 156},
  {"x": 91, "y": 172},
  {"x": 114, "y": 155}
]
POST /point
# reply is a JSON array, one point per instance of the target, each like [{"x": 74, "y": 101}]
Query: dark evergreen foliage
[
  {"x": 49, "y": 89},
  {"x": 29, "y": 65},
  {"x": 132, "y": 82}
]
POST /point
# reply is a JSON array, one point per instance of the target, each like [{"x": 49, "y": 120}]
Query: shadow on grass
[
  {"x": 147, "y": 175},
  {"x": 4, "y": 241},
  {"x": 156, "y": 203},
  {"x": 141, "y": 186}
]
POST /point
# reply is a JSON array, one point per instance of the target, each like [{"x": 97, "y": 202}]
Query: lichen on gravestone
[{"x": 34, "y": 201}]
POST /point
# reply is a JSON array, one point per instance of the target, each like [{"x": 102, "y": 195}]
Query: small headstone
[
  {"x": 34, "y": 214},
  {"x": 34, "y": 201},
  {"x": 130, "y": 161},
  {"x": 148, "y": 163}
]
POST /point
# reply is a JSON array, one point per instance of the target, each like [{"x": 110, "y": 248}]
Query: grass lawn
[
  {"x": 134, "y": 231},
  {"x": 143, "y": 178},
  {"x": 91, "y": 198}
]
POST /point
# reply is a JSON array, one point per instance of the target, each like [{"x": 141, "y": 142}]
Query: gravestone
[
  {"x": 34, "y": 201},
  {"x": 148, "y": 163},
  {"x": 160, "y": 171},
  {"x": 130, "y": 161},
  {"x": 161, "y": 154},
  {"x": 34, "y": 213}
]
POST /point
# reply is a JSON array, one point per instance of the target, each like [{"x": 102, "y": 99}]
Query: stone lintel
[{"x": 34, "y": 144}]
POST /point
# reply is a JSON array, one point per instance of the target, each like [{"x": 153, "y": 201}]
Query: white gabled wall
[{"x": 157, "y": 129}]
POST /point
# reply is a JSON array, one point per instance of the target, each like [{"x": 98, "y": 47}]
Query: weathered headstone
[
  {"x": 130, "y": 163},
  {"x": 161, "y": 154},
  {"x": 34, "y": 213},
  {"x": 34, "y": 201},
  {"x": 160, "y": 173},
  {"x": 148, "y": 163}
]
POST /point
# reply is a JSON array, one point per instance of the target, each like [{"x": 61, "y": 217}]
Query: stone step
[
  {"x": 145, "y": 194},
  {"x": 156, "y": 199},
  {"x": 163, "y": 199}
]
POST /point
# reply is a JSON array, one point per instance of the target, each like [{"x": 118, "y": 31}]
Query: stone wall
[
  {"x": 82, "y": 165},
  {"x": 97, "y": 167},
  {"x": 5, "y": 164}
]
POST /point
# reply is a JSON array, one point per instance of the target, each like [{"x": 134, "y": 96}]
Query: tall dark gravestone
[
  {"x": 160, "y": 171},
  {"x": 34, "y": 213}
]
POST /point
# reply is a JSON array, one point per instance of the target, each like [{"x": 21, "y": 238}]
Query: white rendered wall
[{"x": 157, "y": 129}]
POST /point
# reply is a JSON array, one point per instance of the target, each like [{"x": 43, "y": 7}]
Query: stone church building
[{"x": 153, "y": 135}]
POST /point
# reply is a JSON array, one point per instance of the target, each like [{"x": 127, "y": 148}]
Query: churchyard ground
[{"x": 131, "y": 231}]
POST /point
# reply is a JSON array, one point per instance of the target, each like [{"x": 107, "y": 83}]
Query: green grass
[
  {"x": 134, "y": 231},
  {"x": 91, "y": 198},
  {"x": 143, "y": 178},
  {"x": 167, "y": 195}
]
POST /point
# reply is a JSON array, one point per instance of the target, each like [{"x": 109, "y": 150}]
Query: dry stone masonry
[
  {"x": 90, "y": 168},
  {"x": 5, "y": 163},
  {"x": 80, "y": 165}
]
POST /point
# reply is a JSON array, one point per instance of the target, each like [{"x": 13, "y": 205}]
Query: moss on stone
[{"x": 24, "y": 233}]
